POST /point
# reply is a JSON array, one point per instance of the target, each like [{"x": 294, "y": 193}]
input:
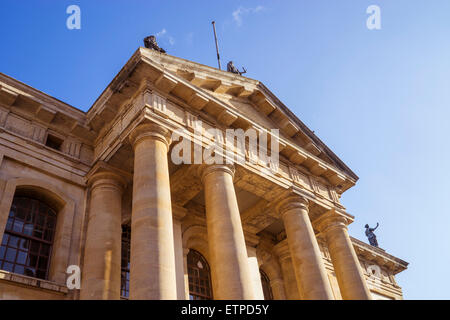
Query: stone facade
[{"x": 111, "y": 166}]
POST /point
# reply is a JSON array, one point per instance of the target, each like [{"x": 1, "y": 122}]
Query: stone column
[
  {"x": 345, "y": 261},
  {"x": 228, "y": 255},
  {"x": 278, "y": 291},
  {"x": 178, "y": 214},
  {"x": 291, "y": 289},
  {"x": 308, "y": 264},
  {"x": 258, "y": 293},
  {"x": 152, "y": 265},
  {"x": 186, "y": 275},
  {"x": 271, "y": 267},
  {"x": 102, "y": 256}
]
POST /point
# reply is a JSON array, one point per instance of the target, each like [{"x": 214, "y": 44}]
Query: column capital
[
  {"x": 345, "y": 260},
  {"x": 150, "y": 131},
  {"x": 330, "y": 221},
  {"x": 178, "y": 212},
  {"x": 290, "y": 202},
  {"x": 205, "y": 169},
  {"x": 103, "y": 173},
  {"x": 100, "y": 178}
]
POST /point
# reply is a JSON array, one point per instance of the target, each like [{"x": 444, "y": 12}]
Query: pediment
[{"x": 231, "y": 100}]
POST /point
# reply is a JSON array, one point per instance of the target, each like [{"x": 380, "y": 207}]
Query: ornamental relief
[{"x": 38, "y": 133}]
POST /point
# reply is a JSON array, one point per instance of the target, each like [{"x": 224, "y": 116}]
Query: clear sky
[{"x": 380, "y": 99}]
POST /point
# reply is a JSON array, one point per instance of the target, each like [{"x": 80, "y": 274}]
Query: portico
[
  {"x": 153, "y": 240},
  {"x": 155, "y": 228}
]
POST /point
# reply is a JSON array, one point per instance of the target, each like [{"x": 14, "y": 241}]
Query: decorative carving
[
  {"x": 38, "y": 133},
  {"x": 72, "y": 147},
  {"x": 160, "y": 106},
  {"x": 192, "y": 121},
  {"x": 300, "y": 178}
]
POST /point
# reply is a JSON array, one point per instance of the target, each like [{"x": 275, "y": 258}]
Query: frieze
[{"x": 38, "y": 133}]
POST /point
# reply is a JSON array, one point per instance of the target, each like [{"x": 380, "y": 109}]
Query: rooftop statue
[
  {"x": 231, "y": 68},
  {"x": 150, "y": 43},
  {"x": 371, "y": 236}
]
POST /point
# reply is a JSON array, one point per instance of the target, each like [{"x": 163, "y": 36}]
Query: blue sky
[{"x": 378, "y": 98}]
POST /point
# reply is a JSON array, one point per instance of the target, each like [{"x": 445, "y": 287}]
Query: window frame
[
  {"x": 126, "y": 230},
  {"x": 196, "y": 295},
  {"x": 68, "y": 215},
  {"x": 36, "y": 208}
]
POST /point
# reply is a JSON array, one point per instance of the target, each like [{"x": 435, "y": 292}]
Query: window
[
  {"x": 125, "y": 272},
  {"x": 53, "y": 142},
  {"x": 28, "y": 239},
  {"x": 265, "y": 282},
  {"x": 199, "y": 277}
]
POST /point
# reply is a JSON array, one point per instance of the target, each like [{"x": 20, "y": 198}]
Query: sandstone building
[{"x": 99, "y": 190}]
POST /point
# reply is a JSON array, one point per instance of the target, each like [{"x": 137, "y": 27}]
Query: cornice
[
  {"x": 18, "y": 87},
  {"x": 379, "y": 256}
]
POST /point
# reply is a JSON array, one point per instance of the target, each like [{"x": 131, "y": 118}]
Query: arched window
[
  {"x": 199, "y": 277},
  {"x": 267, "y": 290},
  {"x": 28, "y": 239},
  {"x": 125, "y": 272}
]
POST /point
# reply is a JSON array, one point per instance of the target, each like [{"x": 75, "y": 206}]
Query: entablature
[{"x": 35, "y": 117}]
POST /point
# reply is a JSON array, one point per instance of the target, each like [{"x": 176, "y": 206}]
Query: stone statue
[
  {"x": 231, "y": 68},
  {"x": 371, "y": 236},
  {"x": 150, "y": 43}
]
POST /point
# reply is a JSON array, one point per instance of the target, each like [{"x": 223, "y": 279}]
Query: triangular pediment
[{"x": 232, "y": 100}]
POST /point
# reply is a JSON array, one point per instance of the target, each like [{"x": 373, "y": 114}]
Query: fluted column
[
  {"x": 102, "y": 256},
  {"x": 309, "y": 268},
  {"x": 152, "y": 265},
  {"x": 348, "y": 271},
  {"x": 228, "y": 254}
]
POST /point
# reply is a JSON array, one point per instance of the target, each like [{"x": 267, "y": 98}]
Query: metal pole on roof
[{"x": 217, "y": 45}]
